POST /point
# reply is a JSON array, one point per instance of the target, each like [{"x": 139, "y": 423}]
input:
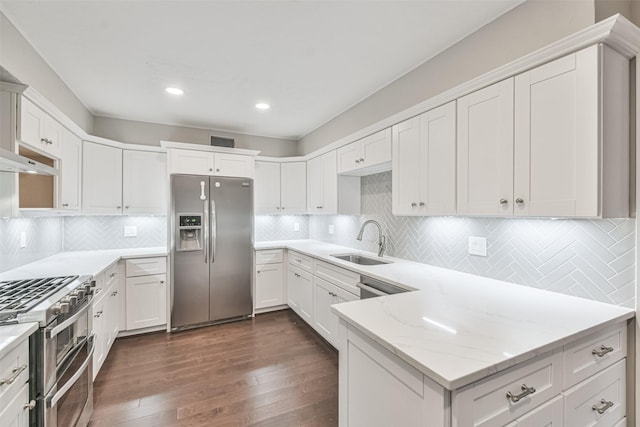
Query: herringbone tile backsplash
[
  {"x": 593, "y": 259},
  {"x": 43, "y": 239},
  {"x": 280, "y": 227},
  {"x": 85, "y": 233}
]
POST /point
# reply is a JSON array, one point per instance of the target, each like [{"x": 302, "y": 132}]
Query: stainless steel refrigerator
[{"x": 211, "y": 249}]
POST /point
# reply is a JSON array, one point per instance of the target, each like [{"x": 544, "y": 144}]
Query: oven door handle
[
  {"x": 53, "y": 400},
  {"x": 52, "y": 332},
  {"x": 372, "y": 290}
]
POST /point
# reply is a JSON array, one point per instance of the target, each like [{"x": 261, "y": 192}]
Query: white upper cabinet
[
  {"x": 322, "y": 184},
  {"x": 233, "y": 165},
  {"x": 40, "y": 131},
  {"x": 101, "y": 179},
  {"x": 366, "y": 156},
  {"x": 485, "y": 151},
  {"x": 328, "y": 193},
  {"x": 293, "y": 188},
  {"x": 555, "y": 146},
  {"x": 144, "y": 182},
  {"x": 280, "y": 188},
  {"x": 571, "y": 136},
  {"x": 266, "y": 190},
  {"x": 424, "y": 163},
  {"x": 195, "y": 162},
  {"x": 70, "y": 178},
  {"x": 191, "y": 162}
]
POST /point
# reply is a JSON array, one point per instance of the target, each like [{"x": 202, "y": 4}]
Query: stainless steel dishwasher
[{"x": 371, "y": 288}]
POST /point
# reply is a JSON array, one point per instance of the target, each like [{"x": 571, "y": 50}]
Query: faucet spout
[{"x": 382, "y": 240}]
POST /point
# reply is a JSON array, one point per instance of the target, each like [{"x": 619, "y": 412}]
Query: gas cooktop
[{"x": 30, "y": 299}]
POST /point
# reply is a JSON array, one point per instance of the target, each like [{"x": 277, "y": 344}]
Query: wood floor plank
[{"x": 273, "y": 370}]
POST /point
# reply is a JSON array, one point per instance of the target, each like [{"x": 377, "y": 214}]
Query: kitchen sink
[{"x": 361, "y": 260}]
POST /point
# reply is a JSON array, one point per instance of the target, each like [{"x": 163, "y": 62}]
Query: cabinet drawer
[
  {"x": 551, "y": 414},
  {"x": 301, "y": 261},
  {"x": 486, "y": 402},
  {"x": 340, "y": 277},
  {"x": 14, "y": 367},
  {"x": 146, "y": 266},
  {"x": 12, "y": 410},
  {"x": 269, "y": 256},
  {"x": 605, "y": 391},
  {"x": 594, "y": 353}
]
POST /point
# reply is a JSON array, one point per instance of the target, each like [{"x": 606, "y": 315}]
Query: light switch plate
[
  {"x": 296, "y": 226},
  {"x": 478, "y": 246},
  {"x": 23, "y": 239},
  {"x": 130, "y": 231},
  {"x": 331, "y": 229}
]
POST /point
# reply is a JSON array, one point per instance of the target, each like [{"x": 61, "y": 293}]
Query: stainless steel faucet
[{"x": 382, "y": 240}]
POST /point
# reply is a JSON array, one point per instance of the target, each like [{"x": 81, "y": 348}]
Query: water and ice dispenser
[{"x": 189, "y": 232}]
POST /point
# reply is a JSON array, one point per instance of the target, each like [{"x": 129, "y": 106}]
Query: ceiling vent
[{"x": 219, "y": 141}]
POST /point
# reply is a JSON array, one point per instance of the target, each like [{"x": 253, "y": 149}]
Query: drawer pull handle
[
  {"x": 14, "y": 374},
  {"x": 296, "y": 274},
  {"x": 526, "y": 391},
  {"x": 31, "y": 405},
  {"x": 606, "y": 404},
  {"x": 600, "y": 352}
]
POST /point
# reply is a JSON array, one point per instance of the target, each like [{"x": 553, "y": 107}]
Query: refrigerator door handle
[
  {"x": 214, "y": 230},
  {"x": 205, "y": 217}
]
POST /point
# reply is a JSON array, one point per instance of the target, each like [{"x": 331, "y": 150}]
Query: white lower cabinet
[
  {"x": 551, "y": 414},
  {"x": 16, "y": 411},
  {"x": 600, "y": 400},
  {"x": 146, "y": 301},
  {"x": 300, "y": 293},
  {"x": 14, "y": 386},
  {"x": 269, "y": 280},
  {"x": 106, "y": 312},
  {"x": 378, "y": 389},
  {"x": 325, "y": 321},
  {"x": 146, "y": 292}
]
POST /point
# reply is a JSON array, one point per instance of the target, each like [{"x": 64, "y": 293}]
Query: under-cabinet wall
[
  {"x": 589, "y": 258},
  {"x": 43, "y": 238}
]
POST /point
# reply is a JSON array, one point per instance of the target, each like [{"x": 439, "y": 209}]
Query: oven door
[
  {"x": 70, "y": 401},
  {"x": 60, "y": 339}
]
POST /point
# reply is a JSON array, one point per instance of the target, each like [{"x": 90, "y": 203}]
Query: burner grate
[{"x": 22, "y": 295}]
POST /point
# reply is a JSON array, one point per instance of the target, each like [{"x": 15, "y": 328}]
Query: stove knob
[
  {"x": 56, "y": 309},
  {"x": 80, "y": 293},
  {"x": 73, "y": 300},
  {"x": 64, "y": 307}
]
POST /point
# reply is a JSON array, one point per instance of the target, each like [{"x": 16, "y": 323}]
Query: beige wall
[
  {"x": 607, "y": 8},
  {"x": 19, "y": 58},
  {"x": 530, "y": 26},
  {"x": 152, "y": 133}
]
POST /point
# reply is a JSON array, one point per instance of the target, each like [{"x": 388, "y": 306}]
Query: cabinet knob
[
  {"x": 413, "y": 204},
  {"x": 282, "y": 207},
  {"x": 258, "y": 271},
  {"x": 161, "y": 281},
  {"x": 519, "y": 201},
  {"x": 126, "y": 207},
  {"x": 113, "y": 294},
  {"x": 217, "y": 169},
  {"x": 357, "y": 161},
  {"x": 278, "y": 207},
  {"x": 118, "y": 207},
  {"x": 65, "y": 205},
  {"x": 210, "y": 170},
  {"x": 361, "y": 159},
  {"x": 421, "y": 203},
  {"x": 503, "y": 201},
  {"x": 318, "y": 207}
]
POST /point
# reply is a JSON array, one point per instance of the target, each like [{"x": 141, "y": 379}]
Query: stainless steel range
[{"x": 61, "y": 350}]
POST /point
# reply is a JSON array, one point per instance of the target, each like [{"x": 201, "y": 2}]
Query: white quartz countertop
[
  {"x": 78, "y": 263},
  {"x": 458, "y": 328},
  {"x": 12, "y": 335}
]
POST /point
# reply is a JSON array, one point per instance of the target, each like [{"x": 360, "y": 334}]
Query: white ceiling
[{"x": 311, "y": 60}]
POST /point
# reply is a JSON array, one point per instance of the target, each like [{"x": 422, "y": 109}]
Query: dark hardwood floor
[{"x": 272, "y": 370}]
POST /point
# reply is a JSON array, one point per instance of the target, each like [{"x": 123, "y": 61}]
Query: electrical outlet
[
  {"x": 478, "y": 246},
  {"x": 23, "y": 239},
  {"x": 130, "y": 231},
  {"x": 331, "y": 229},
  {"x": 296, "y": 226}
]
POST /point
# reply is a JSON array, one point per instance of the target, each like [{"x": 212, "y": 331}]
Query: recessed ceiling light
[
  {"x": 174, "y": 91},
  {"x": 262, "y": 106}
]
